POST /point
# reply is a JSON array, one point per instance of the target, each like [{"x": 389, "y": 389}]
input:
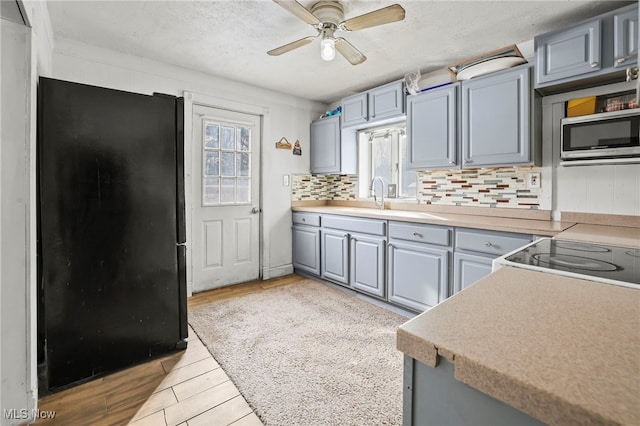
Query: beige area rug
[{"x": 308, "y": 354}]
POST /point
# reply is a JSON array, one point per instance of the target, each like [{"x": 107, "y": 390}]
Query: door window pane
[
  {"x": 243, "y": 189},
  {"x": 212, "y": 136},
  {"x": 228, "y": 139},
  {"x": 228, "y": 191},
  {"x": 226, "y": 163},
  {"x": 244, "y": 139},
  {"x": 211, "y": 191},
  {"x": 243, "y": 163},
  {"x": 212, "y": 163}
]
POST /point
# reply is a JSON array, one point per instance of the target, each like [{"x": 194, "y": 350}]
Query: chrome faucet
[{"x": 380, "y": 205}]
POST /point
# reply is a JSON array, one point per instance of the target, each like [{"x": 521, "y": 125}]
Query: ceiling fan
[{"x": 327, "y": 17}]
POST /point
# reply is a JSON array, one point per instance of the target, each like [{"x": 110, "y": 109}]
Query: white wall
[
  {"x": 17, "y": 238},
  {"x": 285, "y": 116}
]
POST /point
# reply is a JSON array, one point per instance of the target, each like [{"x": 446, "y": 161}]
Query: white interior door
[{"x": 226, "y": 198}]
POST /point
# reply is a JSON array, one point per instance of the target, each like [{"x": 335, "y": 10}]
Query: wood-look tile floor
[{"x": 187, "y": 388}]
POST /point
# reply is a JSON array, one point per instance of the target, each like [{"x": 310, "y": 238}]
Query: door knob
[{"x": 255, "y": 210}]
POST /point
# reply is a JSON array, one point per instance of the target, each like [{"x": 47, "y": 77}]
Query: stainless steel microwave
[{"x": 606, "y": 135}]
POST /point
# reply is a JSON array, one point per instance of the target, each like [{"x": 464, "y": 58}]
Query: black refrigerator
[{"x": 111, "y": 230}]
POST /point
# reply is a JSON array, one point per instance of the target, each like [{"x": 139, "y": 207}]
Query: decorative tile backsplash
[
  {"x": 490, "y": 187},
  {"x": 306, "y": 187}
]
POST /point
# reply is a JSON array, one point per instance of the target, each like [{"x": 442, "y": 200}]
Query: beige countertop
[
  {"x": 563, "y": 350},
  {"x": 610, "y": 235},
  {"x": 495, "y": 223}
]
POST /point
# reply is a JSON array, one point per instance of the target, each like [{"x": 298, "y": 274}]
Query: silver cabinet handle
[
  {"x": 304, "y": 220},
  {"x": 468, "y": 161},
  {"x": 452, "y": 162},
  {"x": 488, "y": 244},
  {"x": 621, "y": 59},
  {"x": 594, "y": 64},
  {"x": 417, "y": 234}
]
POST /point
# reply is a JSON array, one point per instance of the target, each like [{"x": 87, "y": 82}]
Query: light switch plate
[{"x": 285, "y": 180}]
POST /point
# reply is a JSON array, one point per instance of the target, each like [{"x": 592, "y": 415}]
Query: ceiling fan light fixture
[{"x": 327, "y": 48}]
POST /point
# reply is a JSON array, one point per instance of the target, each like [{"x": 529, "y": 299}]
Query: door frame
[{"x": 191, "y": 99}]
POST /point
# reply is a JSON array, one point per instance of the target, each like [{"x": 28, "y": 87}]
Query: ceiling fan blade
[
  {"x": 382, "y": 16},
  {"x": 299, "y": 10},
  {"x": 350, "y": 53},
  {"x": 290, "y": 46}
]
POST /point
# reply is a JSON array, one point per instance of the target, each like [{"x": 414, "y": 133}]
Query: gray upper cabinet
[
  {"x": 568, "y": 53},
  {"x": 325, "y": 145},
  {"x": 380, "y": 103},
  {"x": 386, "y": 101},
  {"x": 625, "y": 37},
  {"x": 355, "y": 110},
  {"x": 496, "y": 119},
  {"x": 432, "y": 128},
  {"x": 593, "y": 52}
]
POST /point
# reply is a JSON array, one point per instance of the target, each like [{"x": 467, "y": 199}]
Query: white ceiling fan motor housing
[{"x": 328, "y": 12}]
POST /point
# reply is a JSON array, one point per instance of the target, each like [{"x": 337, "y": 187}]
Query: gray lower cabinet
[
  {"x": 475, "y": 250},
  {"x": 433, "y": 396},
  {"x": 469, "y": 268},
  {"x": 367, "y": 264},
  {"x": 335, "y": 256},
  {"x": 306, "y": 242},
  {"x": 418, "y": 275},
  {"x": 418, "y": 264},
  {"x": 306, "y": 249}
]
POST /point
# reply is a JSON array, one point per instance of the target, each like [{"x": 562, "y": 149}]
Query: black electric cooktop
[{"x": 587, "y": 259}]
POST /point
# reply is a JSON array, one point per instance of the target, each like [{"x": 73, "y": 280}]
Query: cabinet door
[
  {"x": 417, "y": 275},
  {"x": 306, "y": 249},
  {"x": 468, "y": 269},
  {"x": 432, "y": 128},
  {"x": 495, "y": 119},
  {"x": 625, "y": 38},
  {"x": 386, "y": 101},
  {"x": 335, "y": 256},
  {"x": 355, "y": 110},
  {"x": 568, "y": 53},
  {"x": 325, "y": 145},
  {"x": 367, "y": 264}
]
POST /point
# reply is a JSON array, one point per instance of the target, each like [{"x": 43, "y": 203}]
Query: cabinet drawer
[
  {"x": 353, "y": 224},
  {"x": 431, "y": 234},
  {"x": 489, "y": 242},
  {"x": 312, "y": 219}
]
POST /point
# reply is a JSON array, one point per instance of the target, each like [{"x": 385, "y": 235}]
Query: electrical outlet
[{"x": 533, "y": 180}]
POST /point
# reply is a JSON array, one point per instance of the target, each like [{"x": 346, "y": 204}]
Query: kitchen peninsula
[{"x": 561, "y": 350}]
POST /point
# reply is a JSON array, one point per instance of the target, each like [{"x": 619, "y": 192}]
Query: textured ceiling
[{"x": 230, "y": 38}]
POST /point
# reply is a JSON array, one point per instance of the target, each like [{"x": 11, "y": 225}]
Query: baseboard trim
[{"x": 277, "y": 271}]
